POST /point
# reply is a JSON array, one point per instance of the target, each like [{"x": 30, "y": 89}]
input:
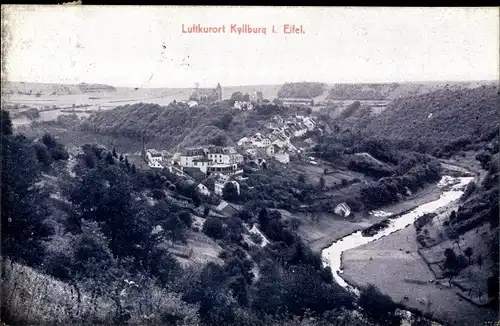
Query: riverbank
[
  {"x": 320, "y": 234},
  {"x": 394, "y": 265}
]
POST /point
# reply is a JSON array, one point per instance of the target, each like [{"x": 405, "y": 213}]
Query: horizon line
[{"x": 269, "y": 84}]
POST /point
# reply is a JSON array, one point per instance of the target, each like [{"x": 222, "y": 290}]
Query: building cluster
[
  {"x": 225, "y": 163},
  {"x": 276, "y": 142},
  {"x": 206, "y": 95}
]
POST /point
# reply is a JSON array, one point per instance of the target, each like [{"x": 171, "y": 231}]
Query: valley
[{"x": 121, "y": 171}]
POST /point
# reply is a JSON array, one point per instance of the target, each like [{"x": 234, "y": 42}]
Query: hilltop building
[{"x": 207, "y": 94}]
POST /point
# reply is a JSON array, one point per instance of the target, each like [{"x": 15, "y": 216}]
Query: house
[
  {"x": 153, "y": 158},
  {"x": 279, "y": 119},
  {"x": 261, "y": 142},
  {"x": 202, "y": 189},
  {"x": 243, "y": 141},
  {"x": 190, "y": 155},
  {"x": 224, "y": 155},
  {"x": 220, "y": 182},
  {"x": 270, "y": 150},
  {"x": 192, "y": 104},
  {"x": 282, "y": 157},
  {"x": 228, "y": 169},
  {"x": 309, "y": 123},
  {"x": 202, "y": 164},
  {"x": 226, "y": 209},
  {"x": 207, "y": 94},
  {"x": 259, "y": 96},
  {"x": 299, "y": 130},
  {"x": 243, "y": 105},
  {"x": 342, "y": 209}
]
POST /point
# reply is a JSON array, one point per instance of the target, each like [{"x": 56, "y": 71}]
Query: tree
[
  {"x": 479, "y": 261},
  {"x": 49, "y": 141},
  {"x": 109, "y": 159},
  {"x": 263, "y": 218},
  {"x": 43, "y": 154},
  {"x": 468, "y": 252},
  {"x": 378, "y": 307},
  {"x": 185, "y": 217},
  {"x": 121, "y": 157},
  {"x": 309, "y": 110},
  {"x": 321, "y": 183},
  {"x": 230, "y": 192},
  {"x": 5, "y": 123},
  {"x": 301, "y": 179},
  {"x": 214, "y": 228},
  {"x": 23, "y": 211},
  {"x": 174, "y": 227},
  {"x": 219, "y": 140},
  {"x": 455, "y": 236},
  {"x": 114, "y": 153}
]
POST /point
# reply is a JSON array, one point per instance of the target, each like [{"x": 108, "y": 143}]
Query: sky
[{"x": 146, "y": 47}]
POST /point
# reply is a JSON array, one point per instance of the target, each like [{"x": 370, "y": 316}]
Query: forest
[
  {"x": 301, "y": 90},
  {"x": 85, "y": 218},
  {"x": 439, "y": 123},
  {"x": 217, "y": 124},
  {"x": 392, "y": 173}
]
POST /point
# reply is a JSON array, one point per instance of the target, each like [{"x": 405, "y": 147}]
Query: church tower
[{"x": 218, "y": 90}]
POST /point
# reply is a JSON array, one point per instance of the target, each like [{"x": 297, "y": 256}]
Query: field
[
  {"x": 106, "y": 100},
  {"x": 313, "y": 173},
  {"x": 407, "y": 279}
]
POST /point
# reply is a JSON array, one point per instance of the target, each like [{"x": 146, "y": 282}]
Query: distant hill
[
  {"x": 38, "y": 89},
  {"x": 301, "y": 90},
  {"x": 390, "y": 91},
  {"x": 439, "y": 122}
]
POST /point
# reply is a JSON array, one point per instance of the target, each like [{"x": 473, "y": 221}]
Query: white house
[
  {"x": 192, "y": 104},
  {"x": 154, "y": 159},
  {"x": 270, "y": 150},
  {"x": 221, "y": 181},
  {"x": 242, "y": 105},
  {"x": 224, "y": 155},
  {"x": 261, "y": 141},
  {"x": 244, "y": 141},
  {"x": 299, "y": 131},
  {"x": 342, "y": 209},
  {"x": 189, "y": 156},
  {"x": 202, "y": 189},
  {"x": 202, "y": 164},
  {"x": 309, "y": 123},
  {"x": 282, "y": 157}
]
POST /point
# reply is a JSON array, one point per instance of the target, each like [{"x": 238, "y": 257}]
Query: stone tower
[{"x": 218, "y": 90}]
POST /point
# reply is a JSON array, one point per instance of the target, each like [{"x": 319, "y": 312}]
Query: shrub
[{"x": 214, "y": 228}]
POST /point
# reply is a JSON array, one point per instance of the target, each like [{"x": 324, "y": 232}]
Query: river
[{"x": 452, "y": 187}]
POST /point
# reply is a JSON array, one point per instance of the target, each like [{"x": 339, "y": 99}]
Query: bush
[
  {"x": 256, "y": 238},
  {"x": 186, "y": 218},
  {"x": 378, "y": 307},
  {"x": 214, "y": 228}
]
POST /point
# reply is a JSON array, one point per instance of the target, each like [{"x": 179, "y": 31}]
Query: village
[{"x": 282, "y": 140}]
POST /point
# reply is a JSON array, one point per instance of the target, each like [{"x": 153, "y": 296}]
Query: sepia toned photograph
[{"x": 253, "y": 166}]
